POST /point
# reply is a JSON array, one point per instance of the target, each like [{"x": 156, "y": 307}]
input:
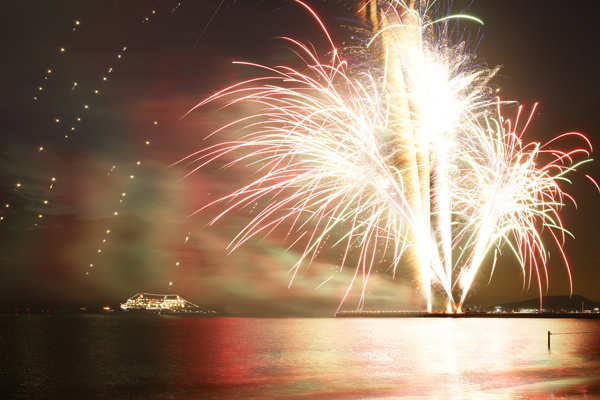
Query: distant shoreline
[
  {"x": 402, "y": 314},
  {"x": 342, "y": 314}
]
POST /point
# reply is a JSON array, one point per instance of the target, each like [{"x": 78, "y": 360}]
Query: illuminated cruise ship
[{"x": 158, "y": 302}]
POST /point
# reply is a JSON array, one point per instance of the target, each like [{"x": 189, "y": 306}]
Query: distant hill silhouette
[{"x": 554, "y": 303}]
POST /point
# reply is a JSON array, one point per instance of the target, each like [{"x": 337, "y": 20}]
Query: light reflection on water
[{"x": 149, "y": 356}]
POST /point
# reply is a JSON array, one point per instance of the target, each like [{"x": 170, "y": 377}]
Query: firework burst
[{"x": 401, "y": 156}]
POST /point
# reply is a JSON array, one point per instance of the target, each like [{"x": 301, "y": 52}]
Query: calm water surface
[{"x": 123, "y": 356}]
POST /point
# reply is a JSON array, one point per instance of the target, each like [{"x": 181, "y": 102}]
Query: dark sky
[{"x": 63, "y": 246}]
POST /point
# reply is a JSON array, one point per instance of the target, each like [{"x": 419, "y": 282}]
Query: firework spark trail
[
  {"x": 408, "y": 157},
  {"x": 322, "y": 157},
  {"x": 510, "y": 196},
  {"x": 433, "y": 88}
]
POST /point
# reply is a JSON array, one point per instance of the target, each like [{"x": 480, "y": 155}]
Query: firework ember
[{"x": 399, "y": 157}]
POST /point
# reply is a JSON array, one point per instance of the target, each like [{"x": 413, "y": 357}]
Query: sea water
[{"x": 138, "y": 356}]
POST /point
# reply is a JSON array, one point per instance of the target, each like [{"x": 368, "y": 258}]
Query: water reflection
[
  {"x": 362, "y": 358},
  {"x": 131, "y": 357}
]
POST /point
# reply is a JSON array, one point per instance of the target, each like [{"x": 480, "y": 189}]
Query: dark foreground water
[{"x": 124, "y": 356}]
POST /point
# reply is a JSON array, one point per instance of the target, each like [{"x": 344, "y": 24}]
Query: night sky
[{"x": 96, "y": 213}]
